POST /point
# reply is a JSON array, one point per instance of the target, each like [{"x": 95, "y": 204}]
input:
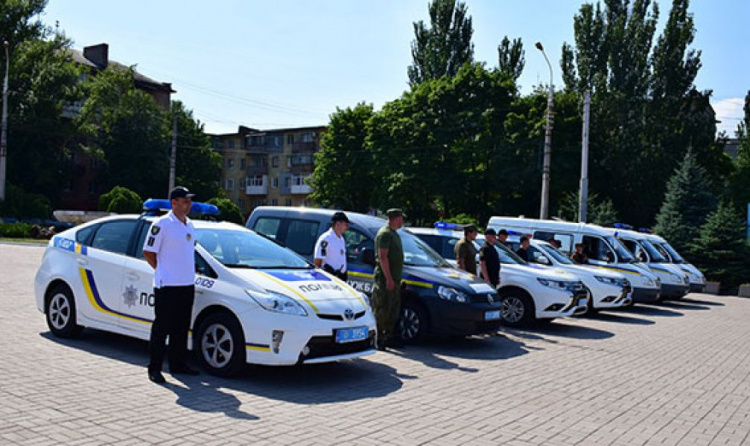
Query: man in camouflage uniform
[{"x": 386, "y": 292}]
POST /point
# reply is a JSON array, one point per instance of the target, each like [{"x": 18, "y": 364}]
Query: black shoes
[
  {"x": 184, "y": 370},
  {"x": 156, "y": 377}
]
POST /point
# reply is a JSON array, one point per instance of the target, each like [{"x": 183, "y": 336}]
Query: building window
[
  {"x": 230, "y": 184},
  {"x": 287, "y": 181},
  {"x": 275, "y": 161},
  {"x": 274, "y": 202},
  {"x": 231, "y": 144},
  {"x": 275, "y": 183},
  {"x": 242, "y": 183},
  {"x": 302, "y": 159},
  {"x": 257, "y": 141},
  {"x": 259, "y": 161},
  {"x": 290, "y": 138},
  {"x": 230, "y": 163},
  {"x": 241, "y": 204},
  {"x": 288, "y": 202},
  {"x": 288, "y": 161},
  {"x": 256, "y": 180},
  {"x": 243, "y": 164},
  {"x": 308, "y": 136}
]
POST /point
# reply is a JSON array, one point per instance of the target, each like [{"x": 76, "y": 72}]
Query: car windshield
[
  {"x": 622, "y": 252},
  {"x": 557, "y": 254},
  {"x": 676, "y": 257},
  {"x": 243, "y": 248},
  {"x": 507, "y": 256},
  {"x": 418, "y": 253},
  {"x": 654, "y": 253}
]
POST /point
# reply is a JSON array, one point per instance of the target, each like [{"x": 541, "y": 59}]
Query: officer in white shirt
[
  {"x": 330, "y": 249},
  {"x": 170, "y": 249}
]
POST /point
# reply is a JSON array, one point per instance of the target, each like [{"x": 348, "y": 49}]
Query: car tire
[
  {"x": 220, "y": 344},
  {"x": 517, "y": 309},
  {"x": 61, "y": 313},
  {"x": 413, "y": 322}
]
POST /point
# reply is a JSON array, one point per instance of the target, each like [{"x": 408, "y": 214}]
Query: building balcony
[
  {"x": 304, "y": 147},
  {"x": 256, "y": 170},
  {"x": 301, "y": 189},
  {"x": 257, "y": 185}
]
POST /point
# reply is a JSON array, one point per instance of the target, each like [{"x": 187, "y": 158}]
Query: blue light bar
[
  {"x": 512, "y": 232},
  {"x": 622, "y": 226},
  {"x": 162, "y": 204},
  {"x": 646, "y": 230},
  {"x": 446, "y": 225}
]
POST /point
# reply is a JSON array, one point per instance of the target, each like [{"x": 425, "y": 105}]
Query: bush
[
  {"x": 121, "y": 200},
  {"x": 228, "y": 211},
  {"x": 15, "y": 230},
  {"x": 21, "y": 205}
]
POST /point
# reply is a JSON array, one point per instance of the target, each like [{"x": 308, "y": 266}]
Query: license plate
[
  {"x": 345, "y": 335},
  {"x": 492, "y": 315}
]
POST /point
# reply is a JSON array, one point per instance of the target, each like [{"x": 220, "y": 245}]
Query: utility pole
[
  {"x": 173, "y": 156},
  {"x": 544, "y": 207},
  {"x": 584, "y": 194},
  {"x": 4, "y": 126}
]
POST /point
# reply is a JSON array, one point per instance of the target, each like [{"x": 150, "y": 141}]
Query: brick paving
[{"x": 672, "y": 374}]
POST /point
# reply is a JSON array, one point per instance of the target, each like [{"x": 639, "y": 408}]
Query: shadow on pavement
[
  {"x": 701, "y": 302},
  {"x": 652, "y": 310},
  {"x": 619, "y": 318},
  {"x": 434, "y": 352},
  {"x": 681, "y": 305},
  {"x": 571, "y": 331},
  {"x": 309, "y": 384}
]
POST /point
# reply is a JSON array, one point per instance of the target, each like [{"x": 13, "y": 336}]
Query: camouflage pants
[{"x": 386, "y": 305}]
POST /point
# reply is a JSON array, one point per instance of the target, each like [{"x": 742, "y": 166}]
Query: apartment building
[{"x": 269, "y": 167}]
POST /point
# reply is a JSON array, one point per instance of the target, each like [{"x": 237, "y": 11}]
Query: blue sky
[{"x": 285, "y": 63}]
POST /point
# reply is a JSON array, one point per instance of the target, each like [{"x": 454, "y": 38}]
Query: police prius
[{"x": 255, "y": 301}]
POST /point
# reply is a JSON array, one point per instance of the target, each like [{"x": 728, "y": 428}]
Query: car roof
[
  {"x": 541, "y": 225},
  {"x": 364, "y": 220},
  {"x": 198, "y": 224}
]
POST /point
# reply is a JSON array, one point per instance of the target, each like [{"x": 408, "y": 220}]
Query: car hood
[
  {"x": 433, "y": 277},
  {"x": 317, "y": 289},
  {"x": 546, "y": 272},
  {"x": 593, "y": 270}
]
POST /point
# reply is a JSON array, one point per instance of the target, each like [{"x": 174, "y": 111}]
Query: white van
[
  {"x": 530, "y": 293},
  {"x": 674, "y": 283},
  {"x": 695, "y": 276},
  {"x": 601, "y": 247}
]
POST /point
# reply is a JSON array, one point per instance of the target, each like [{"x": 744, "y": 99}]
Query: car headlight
[
  {"x": 452, "y": 294},
  {"x": 675, "y": 278},
  {"x": 651, "y": 283},
  {"x": 563, "y": 285},
  {"x": 277, "y": 302},
  {"x": 366, "y": 298},
  {"x": 611, "y": 281}
]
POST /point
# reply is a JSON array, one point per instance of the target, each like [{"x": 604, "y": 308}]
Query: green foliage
[
  {"x": 121, "y": 200},
  {"x": 740, "y": 180},
  {"x": 21, "y": 204},
  {"x": 687, "y": 203},
  {"x": 228, "y": 211},
  {"x": 720, "y": 250},
  {"x": 599, "y": 212},
  {"x": 444, "y": 47},
  {"x": 128, "y": 131},
  {"x": 510, "y": 57},
  {"x": 464, "y": 219},
  {"x": 198, "y": 167},
  {"x": 15, "y": 230},
  {"x": 344, "y": 174}
]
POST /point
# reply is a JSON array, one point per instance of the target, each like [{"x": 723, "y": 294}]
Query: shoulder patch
[
  {"x": 155, "y": 229},
  {"x": 324, "y": 244}
]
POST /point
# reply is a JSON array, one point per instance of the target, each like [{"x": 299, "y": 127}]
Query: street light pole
[
  {"x": 544, "y": 208},
  {"x": 4, "y": 128}
]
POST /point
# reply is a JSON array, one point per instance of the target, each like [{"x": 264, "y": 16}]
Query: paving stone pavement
[{"x": 669, "y": 374}]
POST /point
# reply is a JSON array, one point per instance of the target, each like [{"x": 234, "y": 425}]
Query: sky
[{"x": 289, "y": 63}]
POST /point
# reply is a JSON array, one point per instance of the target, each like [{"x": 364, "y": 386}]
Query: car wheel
[
  {"x": 221, "y": 344},
  {"x": 413, "y": 322},
  {"x": 61, "y": 313},
  {"x": 517, "y": 309}
]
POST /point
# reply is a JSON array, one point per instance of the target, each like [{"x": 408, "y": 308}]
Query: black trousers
[{"x": 173, "y": 308}]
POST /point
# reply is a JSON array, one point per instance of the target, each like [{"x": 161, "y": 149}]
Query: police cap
[
  {"x": 395, "y": 212},
  {"x": 339, "y": 216},
  {"x": 180, "y": 192}
]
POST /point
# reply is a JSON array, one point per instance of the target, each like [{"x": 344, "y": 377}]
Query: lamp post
[
  {"x": 4, "y": 128},
  {"x": 544, "y": 208}
]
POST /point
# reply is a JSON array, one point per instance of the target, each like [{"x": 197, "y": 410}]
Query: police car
[
  {"x": 695, "y": 277},
  {"x": 255, "y": 301},
  {"x": 530, "y": 293}
]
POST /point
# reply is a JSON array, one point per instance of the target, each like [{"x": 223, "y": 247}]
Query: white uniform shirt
[
  {"x": 174, "y": 244},
  {"x": 332, "y": 249}
]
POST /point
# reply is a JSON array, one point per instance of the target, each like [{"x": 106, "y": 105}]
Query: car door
[
  {"x": 101, "y": 269},
  {"x": 137, "y": 288},
  {"x": 360, "y": 260}
]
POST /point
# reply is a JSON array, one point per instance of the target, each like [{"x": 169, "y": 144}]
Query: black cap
[
  {"x": 490, "y": 232},
  {"x": 468, "y": 229},
  {"x": 180, "y": 192},
  {"x": 395, "y": 212},
  {"x": 339, "y": 216},
  {"x": 502, "y": 232}
]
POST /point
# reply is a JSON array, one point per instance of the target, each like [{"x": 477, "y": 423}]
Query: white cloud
[{"x": 729, "y": 112}]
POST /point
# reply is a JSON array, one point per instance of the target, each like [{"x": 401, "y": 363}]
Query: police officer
[
  {"x": 523, "y": 251},
  {"x": 489, "y": 259},
  {"x": 579, "y": 256},
  {"x": 466, "y": 253},
  {"x": 169, "y": 249},
  {"x": 386, "y": 291},
  {"x": 330, "y": 249},
  {"x": 502, "y": 237}
]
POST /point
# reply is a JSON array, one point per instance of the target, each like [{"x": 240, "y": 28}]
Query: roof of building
[{"x": 141, "y": 79}]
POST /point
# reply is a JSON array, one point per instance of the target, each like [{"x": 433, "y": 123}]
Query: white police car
[{"x": 256, "y": 302}]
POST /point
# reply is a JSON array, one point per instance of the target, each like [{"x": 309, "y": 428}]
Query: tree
[
  {"x": 344, "y": 175},
  {"x": 687, "y": 203},
  {"x": 121, "y": 200},
  {"x": 445, "y": 46},
  {"x": 720, "y": 250},
  {"x": 599, "y": 212},
  {"x": 228, "y": 211},
  {"x": 128, "y": 131},
  {"x": 198, "y": 167},
  {"x": 510, "y": 56},
  {"x": 740, "y": 179}
]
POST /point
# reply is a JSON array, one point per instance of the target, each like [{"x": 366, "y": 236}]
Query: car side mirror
[
  {"x": 368, "y": 256},
  {"x": 542, "y": 260}
]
